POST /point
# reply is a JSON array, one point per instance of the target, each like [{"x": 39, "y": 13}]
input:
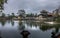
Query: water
[{"x": 13, "y": 29}]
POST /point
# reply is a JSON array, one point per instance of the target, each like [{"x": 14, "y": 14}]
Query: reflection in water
[
  {"x": 21, "y": 25},
  {"x": 57, "y": 30},
  {"x": 3, "y": 22},
  {"x": 35, "y": 28},
  {"x": 24, "y": 32},
  {"x": 12, "y": 22}
]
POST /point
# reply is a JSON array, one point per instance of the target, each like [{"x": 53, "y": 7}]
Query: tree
[
  {"x": 9, "y": 16},
  {"x": 13, "y": 15},
  {"x": 30, "y": 15},
  {"x": 21, "y": 13},
  {"x": 2, "y": 4},
  {"x": 3, "y": 15}
]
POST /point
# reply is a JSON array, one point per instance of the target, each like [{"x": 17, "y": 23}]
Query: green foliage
[
  {"x": 57, "y": 19},
  {"x": 21, "y": 13},
  {"x": 31, "y": 15},
  {"x": 3, "y": 15},
  {"x": 13, "y": 15},
  {"x": 45, "y": 27},
  {"x": 2, "y": 4}
]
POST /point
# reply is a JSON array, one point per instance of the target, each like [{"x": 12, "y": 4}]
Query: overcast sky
[{"x": 33, "y": 6}]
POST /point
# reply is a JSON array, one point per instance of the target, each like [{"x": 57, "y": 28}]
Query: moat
[{"x": 13, "y": 29}]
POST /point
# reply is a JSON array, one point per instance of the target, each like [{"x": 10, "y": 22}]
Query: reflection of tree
[
  {"x": 3, "y": 22},
  {"x": 22, "y": 30},
  {"x": 12, "y": 22},
  {"x": 45, "y": 27},
  {"x": 21, "y": 26},
  {"x": 57, "y": 28},
  {"x": 20, "y": 23},
  {"x": 31, "y": 23}
]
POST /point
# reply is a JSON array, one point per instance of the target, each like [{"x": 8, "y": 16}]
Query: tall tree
[
  {"x": 13, "y": 14},
  {"x": 2, "y": 4},
  {"x": 3, "y": 15},
  {"x": 21, "y": 13}
]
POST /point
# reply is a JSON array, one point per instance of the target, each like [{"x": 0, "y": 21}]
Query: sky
[{"x": 30, "y": 6}]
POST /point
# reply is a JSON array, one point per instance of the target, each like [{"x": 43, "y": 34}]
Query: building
[
  {"x": 41, "y": 17},
  {"x": 56, "y": 12}
]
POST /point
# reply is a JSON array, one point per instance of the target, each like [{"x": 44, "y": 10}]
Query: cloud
[{"x": 31, "y": 5}]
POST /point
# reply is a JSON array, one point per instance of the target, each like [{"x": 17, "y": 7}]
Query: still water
[{"x": 13, "y": 29}]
